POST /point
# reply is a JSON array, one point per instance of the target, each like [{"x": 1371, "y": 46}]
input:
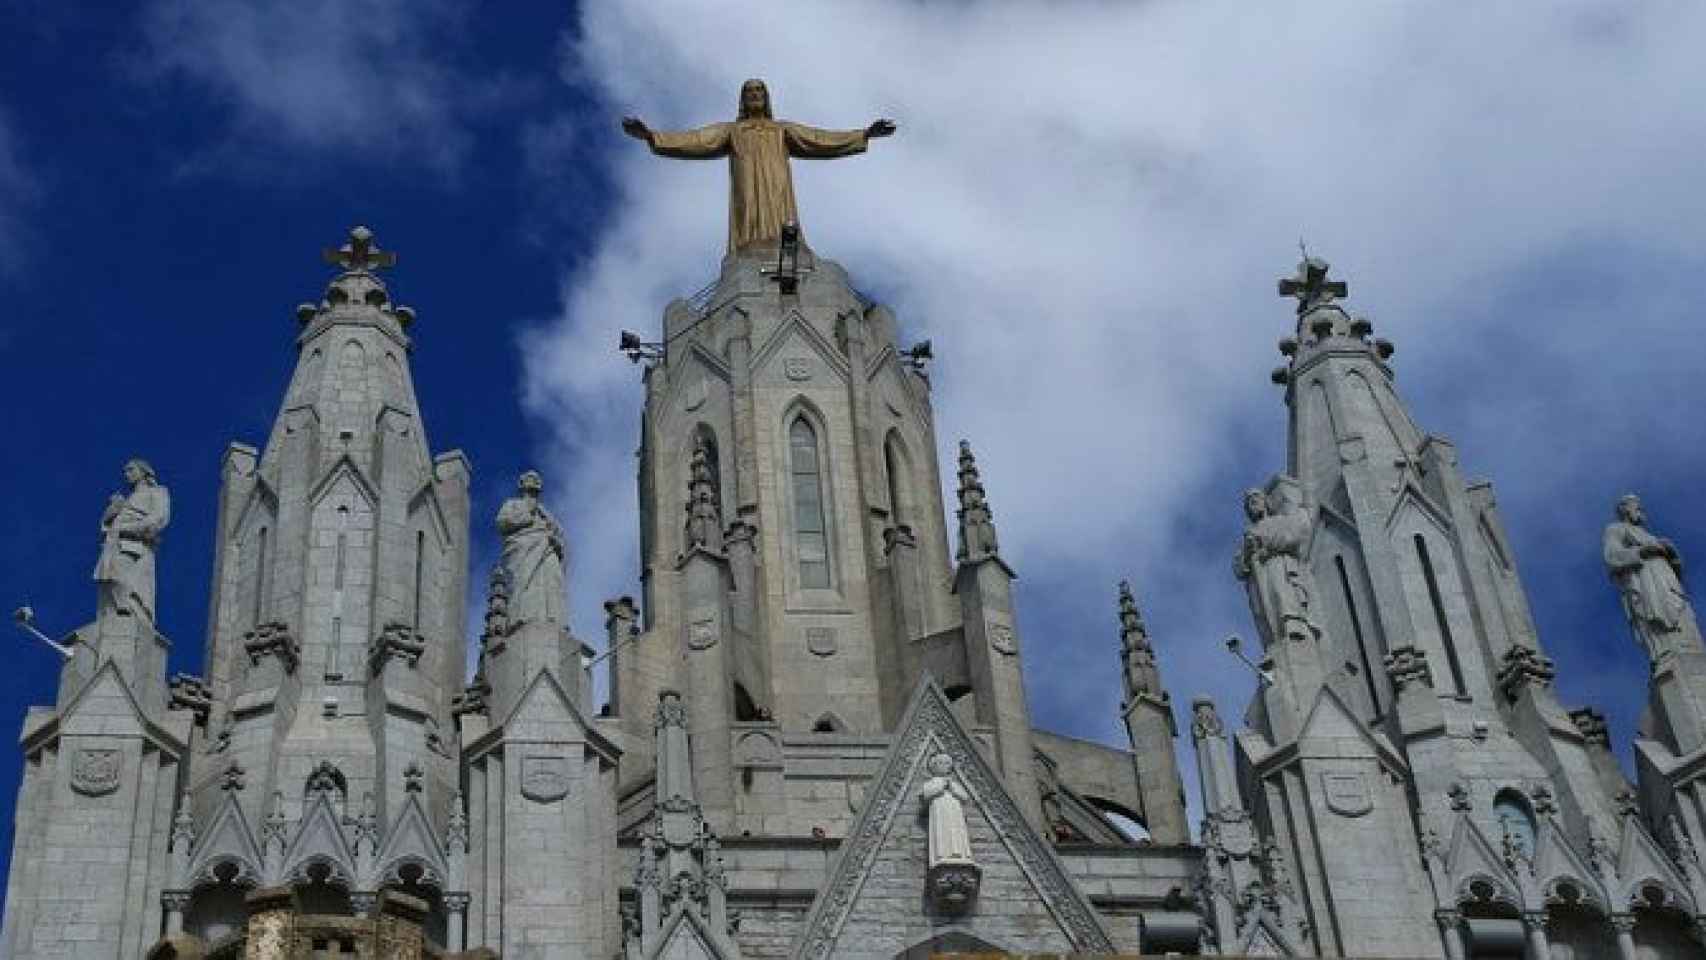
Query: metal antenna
[{"x": 1236, "y": 647}]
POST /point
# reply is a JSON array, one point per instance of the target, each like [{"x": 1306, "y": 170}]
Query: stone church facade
[{"x": 816, "y": 742}]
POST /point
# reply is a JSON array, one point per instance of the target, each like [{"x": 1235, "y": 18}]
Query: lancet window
[{"x": 811, "y": 535}]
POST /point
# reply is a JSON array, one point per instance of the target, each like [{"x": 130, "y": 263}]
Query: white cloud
[
  {"x": 325, "y": 75},
  {"x": 1086, "y": 207}
]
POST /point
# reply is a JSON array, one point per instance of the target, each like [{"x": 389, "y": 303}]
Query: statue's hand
[
  {"x": 636, "y": 128},
  {"x": 880, "y": 128}
]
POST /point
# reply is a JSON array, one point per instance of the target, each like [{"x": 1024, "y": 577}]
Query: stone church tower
[{"x": 817, "y": 742}]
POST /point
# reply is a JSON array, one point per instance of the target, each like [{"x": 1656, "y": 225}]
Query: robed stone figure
[
  {"x": 1648, "y": 571},
  {"x": 533, "y": 549},
  {"x": 761, "y": 188},
  {"x": 130, "y": 531},
  {"x": 1270, "y": 562}
]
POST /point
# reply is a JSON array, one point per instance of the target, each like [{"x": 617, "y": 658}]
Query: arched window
[
  {"x": 1515, "y": 821},
  {"x": 811, "y": 537}
]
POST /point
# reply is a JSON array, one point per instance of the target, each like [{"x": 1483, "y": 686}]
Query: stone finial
[
  {"x": 1133, "y": 634},
  {"x": 325, "y": 779},
  {"x": 1523, "y": 667},
  {"x": 1459, "y": 797},
  {"x": 456, "y": 832},
  {"x": 977, "y": 527},
  {"x": 671, "y": 711},
  {"x": 412, "y": 775},
  {"x": 189, "y": 692},
  {"x": 1592, "y": 726},
  {"x": 233, "y": 777},
  {"x": 366, "y": 829},
  {"x": 1407, "y": 666},
  {"x": 1627, "y": 804},
  {"x": 497, "y": 602},
  {"x": 1205, "y": 720},
  {"x": 704, "y": 507},
  {"x": 183, "y": 825},
  {"x": 360, "y": 253},
  {"x": 1310, "y": 285},
  {"x": 275, "y": 827}
]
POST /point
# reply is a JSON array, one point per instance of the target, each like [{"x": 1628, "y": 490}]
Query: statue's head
[
  {"x": 1629, "y": 510},
  {"x": 754, "y": 100},
  {"x": 137, "y": 470},
  {"x": 530, "y": 482},
  {"x": 941, "y": 765},
  {"x": 1255, "y": 504}
]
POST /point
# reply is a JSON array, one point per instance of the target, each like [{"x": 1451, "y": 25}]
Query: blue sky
[{"x": 1085, "y": 208}]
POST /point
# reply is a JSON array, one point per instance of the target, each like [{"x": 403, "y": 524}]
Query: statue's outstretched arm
[
  {"x": 701, "y": 144},
  {"x": 813, "y": 143}
]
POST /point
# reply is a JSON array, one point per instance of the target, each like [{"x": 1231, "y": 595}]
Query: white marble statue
[
  {"x": 533, "y": 554},
  {"x": 130, "y": 530},
  {"x": 1648, "y": 571},
  {"x": 950, "y": 841},
  {"x": 1270, "y": 562}
]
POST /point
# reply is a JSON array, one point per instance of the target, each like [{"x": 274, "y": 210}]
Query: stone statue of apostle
[
  {"x": 533, "y": 549},
  {"x": 1648, "y": 571},
  {"x": 130, "y": 530}
]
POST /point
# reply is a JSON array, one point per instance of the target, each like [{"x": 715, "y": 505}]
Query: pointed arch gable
[
  {"x": 792, "y": 327},
  {"x": 227, "y": 839},
  {"x": 319, "y": 840},
  {"x": 412, "y": 841},
  {"x": 345, "y": 467}
]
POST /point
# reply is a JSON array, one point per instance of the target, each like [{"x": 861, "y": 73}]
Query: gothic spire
[
  {"x": 1137, "y": 657},
  {"x": 977, "y": 526},
  {"x": 1133, "y": 634}
]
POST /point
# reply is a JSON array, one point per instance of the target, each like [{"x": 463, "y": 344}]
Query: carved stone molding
[
  {"x": 273, "y": 639},
  {"x": 1407, "y": 666},
  {"x": 1524, "y": 666}
]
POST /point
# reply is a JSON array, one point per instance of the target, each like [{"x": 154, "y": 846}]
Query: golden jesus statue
[{"x": 761, "y": 190}]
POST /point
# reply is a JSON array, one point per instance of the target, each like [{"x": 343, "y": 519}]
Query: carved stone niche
[{"x": 953, "y": 886}]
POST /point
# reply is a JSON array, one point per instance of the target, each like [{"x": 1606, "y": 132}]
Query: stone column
[
  {"x": 1451, "y": 931},
  {"x": 175, "y": 902},
  {"x": 456, "y": 910},
  {"x": 1534, "y": 928},
  {"x": 1623, "y": 924},
  {"x": 620, "y": 617}
]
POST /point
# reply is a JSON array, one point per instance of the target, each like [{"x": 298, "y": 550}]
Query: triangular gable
[
  {"x": 426, "y": 500},
  {"x": 1555, "y": 861},
  {"x": 261, "y": 496},
  {"x": 107, "y": 683},
  {"x": 1331, "y": 719},
  {"x": 226, "y": 839},
  {"x": 544, "y": 684},
  {"x": 1266, "y": 939},
  {"x": 1640, "y": 863},
  {"x": 685, "y": 937},
  {"x": 1414, "y": 499},
  {"x": 411, "y": 840},
  {"x": 795, "y": 325},
  {"x": 1472, "y": 858},
  {"x": 928, "y": 727},
  {"x": 319, "y": 839},
  {"x": 344, "y": 466}
]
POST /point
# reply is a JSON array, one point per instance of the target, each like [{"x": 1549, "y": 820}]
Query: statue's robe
[
  {"x": 1653, "y": 597},
  {"x": 533, "y": 555},
  {"x": 950, "y": 840},
  {"x": 761, "y": 188},
  {"x": 1272, "y": 568},
  {"x": 125, "y": 569}
]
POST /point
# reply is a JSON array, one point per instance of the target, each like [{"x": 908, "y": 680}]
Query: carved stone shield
[
  {"x": 544, "y": 779},
  {"x": 96, "y": 772},
  {"x": 797, "y": 368},
  {"x": 1001, "y": 638},
  {"x": 702, "y": 634},
  {"x": 1347, "y": 794},
  {"x": 820, "y": 640}
]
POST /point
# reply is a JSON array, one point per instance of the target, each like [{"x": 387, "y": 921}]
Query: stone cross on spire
[
  {"x": 360, "y": 253},
  {"x": 1310, "y": 285}
]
